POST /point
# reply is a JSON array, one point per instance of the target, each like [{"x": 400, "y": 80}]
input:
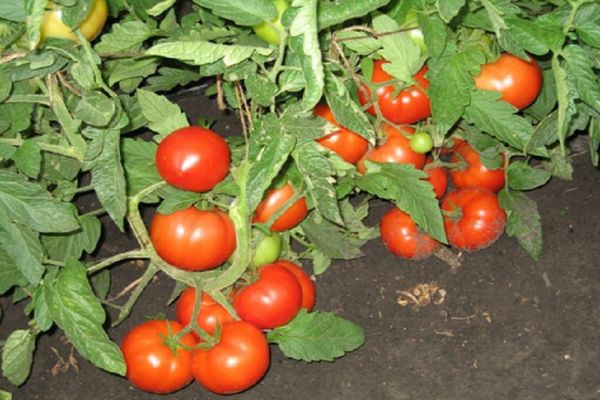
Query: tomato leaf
[
  {"x": 163, "y": 116},
  {"x": 448, "y": 9},
  {"x": 95, "y": 108},
  {"x": 521, "y": 176},
  {"x": 202, "y": 52},
  {"x": 261, "y": 89},
  {"x": 317, "y": 336},
  {"x": 320, "y": 261},
  {"x": 168, "y": 78},
  {"x": 579, "y": 67},
  {"x": 559, "y": 164},
  {"x": 41, "y": 309},
  {"x": 140, "y": 167},
  {"x": 546, "y": 100},
  {"x": 124, "y": 36},
  {"x": 434, "y": 34},
  {"x": 523, "y": 220},
  {"x": 594, "y": 139},
  {"x": 35, "y": 12},
  {"x": 13, "y": 10},
  {"x": 335, "y": 12},
  {"x": 242, "y": 12},
  {"x": 535, "y": 37},
  {"x": 17, "y": 355},
  {"x": 79, "y": 313},
  {"x": 72, "y": 244},
  {"x": 587, "y": 24},
  {"x": 566, "y": 103},
  {"x": 359, "y": 42},
  {"x": 176, "y": 199},
  {"x": 28, "y": 158},
  {"x": 9, "y": 273},
  {"x": 5, "y": 395},
  {"x": 404, "y": 185}
]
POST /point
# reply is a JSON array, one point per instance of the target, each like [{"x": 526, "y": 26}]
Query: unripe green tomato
[
  {"x": 415, "y": 33},
  {"x": 421, "y": 142},
  {"x": 90, "y": 27},
  {"x": 268, "y": 251},
  {"x": 271, "y": 32}
]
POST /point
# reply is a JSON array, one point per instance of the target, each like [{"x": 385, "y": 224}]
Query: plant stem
[
  {"x": 132, "y": 254},
  {"x": 134, "y": 217},
  {"x": 29, "y": 98},
  {"x": 151, "y": 271}
]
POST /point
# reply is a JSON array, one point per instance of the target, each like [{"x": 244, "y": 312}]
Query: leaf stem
[
  {"x": 151, "y": 271},
  {"x": 128, "y": 255}
]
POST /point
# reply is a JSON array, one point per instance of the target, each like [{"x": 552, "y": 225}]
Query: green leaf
[
  {"x": 546, "y": 100},
  {"x": 523, "y": 221},
  {"x": 169, "y": 78},
  {"x": 579, "y": 67},
  {"x": 534, "y": 37},
  {"x": 261, "y": 90},
  {"x": 95, "y": 108},
  {"x": 79, "y": 313},
  {"x": 28, "y": 158},
  {"x": 13, "y": 10},
  {"x": 124, "y": 36},
  {"x": 499, "y": 119},
  {"x": 126, "y": 69},
  {"x": 559, "y": 164},
  {"x": 521, "y": 176},
  {"x": 101, "y": 283},
  {"x": 163, "y": 116},
  {"x": 317, "y": 174},
  {"x": 140, "y": 167},
  {"x": 404, "y": 185},
  {"x": 17, "y": 356},
  {"x": 29, "y": 204},
  {"x": 434, "y": 33},
  {"x": 320, "y": 261},
  {"x": 203, "y": 52},
  {"x": 5, "y": 86},
  {"x": 587, "y": 24},
  {"x": 160, "y": 7},
  {"x": 347, "y": 112},
  {"x": 9, "y": 273},
  {"x": 35, "y": 12},
  {"x": 41, "y": 309},
  {"x": 242, "y": 12},
  {"x": 332, "y": 240},
  {"x": 359, "y": 42},
  {"x": 566, "y": 106},
  {"x": 108, "y": 177},
  {"x": 448, "y": 9},
  {"x": 175, "y": 199},
  {"x": 317, "y": 336},
  {"x": 594, "y": 139},
  {"x": 62, "y": 246},
  {"x": 335, "y": 12},
  {"x": 5, "y": 395}
]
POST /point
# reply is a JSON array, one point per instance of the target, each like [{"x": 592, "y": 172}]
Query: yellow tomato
[{"x": 52, "y": 25}]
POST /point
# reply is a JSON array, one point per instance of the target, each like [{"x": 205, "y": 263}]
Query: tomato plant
[
  {"x": 212, "y": 315},
  {"x": 237, "y": 362},
  {"x": 155, "y": 363},
  {"x": 406, "y": 107},
  {"x": 438, "y": 177},
  {"x": 403, "y": 237},
  {"x": 273, "y": 300},
  {"x": 395, "y": 149},
  {"x": 53, "y": 26},
  {"x": 347, "y": 144},
  {"x": 193, "y": 158},
  {"x": 274, "y": 200},
  {"x": 267, "y": 251},
  {"x": 306, "y": 284},
  {"x": 474, "y": 219},
  {"x": 193, "y": 239},
  {"x": 474, "y": 174},
  {"x": 421, "y": 142},
  {"x": 271, "y": 31},
  {"x": 518, "y": 80}
]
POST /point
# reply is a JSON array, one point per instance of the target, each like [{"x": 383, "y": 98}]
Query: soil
[{"x": 508, "y": 327}]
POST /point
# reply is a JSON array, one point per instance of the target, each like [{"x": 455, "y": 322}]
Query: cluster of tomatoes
[{"x": 221, "y": 353}]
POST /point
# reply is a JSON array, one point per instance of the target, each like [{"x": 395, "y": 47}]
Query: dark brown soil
[{"x": 509, "y": 327}]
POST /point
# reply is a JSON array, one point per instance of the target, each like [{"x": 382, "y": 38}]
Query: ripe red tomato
[
  {"x": 407, "y": 107},
  {"x": 347, "y": 144},
  {"x": 193, "y": 158},
  {"x": 306, "y": 284},
  {"x": 519, "y": 81},
  {"x": 193, "y": 239},
  {"x": 236, "y": 363},
  {"x": 152, "y": 364},
  {"x": 473, "y": 218},
  {"x": 475, "y": 174},
  {"x": 273, "y": 300},
  {"x": 404, "y": 238},
  {"x": 395, "y": 149},
  {"x": 53, "y": 26},
  {"x": 211, "y": 316},
  {"x": 438, "y": 177},
  {"x": 274, "y": 200}
]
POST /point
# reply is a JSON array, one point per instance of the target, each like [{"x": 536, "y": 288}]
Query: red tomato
[
  {"x": 395, "y": 149},
  {"x": 273, "y": 300},
  {"x": 404, "y": 238},
  {"x": 306, "y": 284},
  {"x": 475, "y": 175},
  {"x": 211, "y": 316},
  {"x": 193, "y": 239},
  {"x": 438, "y": 177},
  {"x": 274, "y": 200},
  {"x": 193, "y": 158},
  {"x": 347, "y": 144},
  {"x": 473, "y": 218},
  {"x": 519, "y": 81},
  {"x": 407, "y": 107},
  {"x": 152, "y": 365},
  {"x": 236, "y": 363}
]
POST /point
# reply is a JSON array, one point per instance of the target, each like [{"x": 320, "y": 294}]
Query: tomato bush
[
  {"x": 193, "y": 239},
  {"x": 274, "y": 200},
  {"x": 53, "y": 26},
  {"x": 212, "y": 315},
  {"x": 193, "y": 158},
  {"x": 237, "y": 362},
  {"x": 347, "y": 144},
  {"x": 474, "y": 219},
  {"x": 307, "y": 285},
  {"x": 153, "y": 363},
  {"x": 406, "y": 107},
  {"x": 273, "y": 300},
  {"x": 403, "y": 237},
  {"x": 475, "y": 174}
]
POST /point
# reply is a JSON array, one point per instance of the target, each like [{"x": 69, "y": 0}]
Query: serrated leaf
[
  {"x": 101, "y": 283},
  {"x": 126, "y": 69},
  {"x": 359, "y": 42},
  {"x": 41, "y": 310},
  {"x": 13, "y": 10},
  {"x": 534, "y": 37},
  {"x": 354, "y": 216},
  {"x": 9, "y": 273},
  {"x": 521, "y": 176},
  {"x": 434, "y": 33},
  {"x": 28, "y": 158},
  {"x": 587, "y": 24},
  {"x": 335, "y": 12},
  {"x": 546, "y": 100},
  {"x": 317, "y": 174},
  {"x": 566, "y": 106},
  {"x": 559, "y": 164},
  {"x": 160, "y": 7},
  {"x": 29, "y": 204},
  {"x": 62, "y": 246},
  {"x": 163, "y": 116},
  {"x": 168, "y": 78},
  {"x": 242, "y": 12},
  {"x": 448, "y": 9},
  {"x": 17, "y": 355},
  {"x": 175, "y": 200},
  {"x": 124, "y": 36},
  {"x": 320, "y": 261},
  {"x": 317, "y": 336},
  {"x": 95, "y": 108},
  {"x": 332, "y": 240},
  {"x": 261, "y": 90},
  {"x": 523, "y": 220},
  {"x": 140, "y": 166},
  {"x": 579, "y": 67},
  {"x": 404, "y": 185},
  {"x": 23, "y": 249},
  {"x": 35, "y": 13},
  {"x": 203, "y": 52},
  {"x": 79, "y": 313}
]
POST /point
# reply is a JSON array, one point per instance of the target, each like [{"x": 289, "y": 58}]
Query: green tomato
[
  {"x": 271, "y": 32},
  {"x": 268, "y": 251},
  {"x": 415, "y": 33},
  {"x": 421, "y": 142}
]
